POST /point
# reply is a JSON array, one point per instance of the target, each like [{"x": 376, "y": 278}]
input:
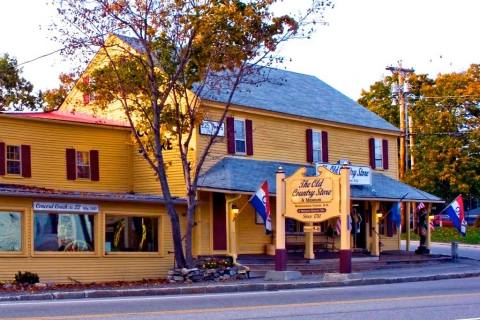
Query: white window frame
[
  {"x": 319, "y": 150},
  {"x": 244, "y": 135},
  {"x": 378, "y": 152},
  {"x": 7, "y": 160},
  {"x": 77, "y": 165}
]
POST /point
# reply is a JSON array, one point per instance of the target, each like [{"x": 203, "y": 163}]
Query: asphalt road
[
  {"x": 447, "y": 299},
  {"x": 472, "y": 252}
]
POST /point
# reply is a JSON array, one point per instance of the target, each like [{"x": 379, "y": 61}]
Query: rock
[
  {"x": 184, "y": 271},
  {"x": 178, "y": 278},
  {"x": 40, "y": 285},
  {"x": 171, "y": 272}
]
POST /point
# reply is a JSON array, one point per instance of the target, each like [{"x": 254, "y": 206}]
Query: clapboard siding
[
  {"x": 60, "y": 267},
  {"x": 279, "y": 138},
  {"x": 49, "y": 140}
]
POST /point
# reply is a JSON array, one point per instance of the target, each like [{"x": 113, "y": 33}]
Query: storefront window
[
  {"x": 64, "y": 232},
  {"x": 10, "y": 231},
  {"x": 131, "y": 234}
]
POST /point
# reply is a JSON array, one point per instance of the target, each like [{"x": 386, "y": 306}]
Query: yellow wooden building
[{"x": 79, "y": 203}]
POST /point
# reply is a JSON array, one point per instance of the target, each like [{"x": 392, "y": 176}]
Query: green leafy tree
[
  {"x": 16, "y": 93},
  {"x": 181, "y": 49}
]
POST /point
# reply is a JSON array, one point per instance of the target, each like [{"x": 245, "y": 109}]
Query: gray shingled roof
[
  {"x": 294, "y": 94},
  {"x": 245, "y": 175},
  {"x": 14, "y": 190}
]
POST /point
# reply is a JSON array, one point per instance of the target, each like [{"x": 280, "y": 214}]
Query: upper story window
[
  {"x": 240, "y": 139},
  {"x": 83, "y": 164},
  {"x": 378, "y": 149},
  {"x": 317, "y": 146},
  {"x": 14, "y": 162},
  {"x": 378, "y": 154},
  {"x": 239, "y": 136}
]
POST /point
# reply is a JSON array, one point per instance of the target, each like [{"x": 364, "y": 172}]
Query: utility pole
[{"x": 400, "y": 92}]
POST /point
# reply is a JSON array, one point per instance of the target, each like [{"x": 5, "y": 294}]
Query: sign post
[
  {"x": 345, "y": 250},
  {"x": 280, "y": 250}
]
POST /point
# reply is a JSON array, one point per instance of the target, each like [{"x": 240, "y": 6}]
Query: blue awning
[{"x": 243, "y": 175}]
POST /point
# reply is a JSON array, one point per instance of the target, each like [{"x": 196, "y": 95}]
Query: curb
[{"x": 230, "y": 288}]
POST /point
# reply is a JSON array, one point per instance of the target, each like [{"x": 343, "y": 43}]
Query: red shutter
[
  {"x": 385, "y": 154},
  {"x": 230, "y": 135},
  {"x": 86, "y": 96},
  {"x": 371, "y": 149},
  {"x": 249, "y": 136},
  {"x": 26, "y": 161},
  {"x": 324, "y": 146},
  {"x": 2, "y": 159},
  {"x": 71, "y": 164},
  {"x": 94, "y": 166},
  {"x": 309, "y": 134}
]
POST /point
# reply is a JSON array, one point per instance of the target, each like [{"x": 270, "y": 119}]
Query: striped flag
[
  {"x": 420, "y": 206},
  {"x": 338, "y": 227}
]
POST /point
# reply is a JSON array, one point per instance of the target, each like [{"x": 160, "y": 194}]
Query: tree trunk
[{"x": 192, "y": 205}]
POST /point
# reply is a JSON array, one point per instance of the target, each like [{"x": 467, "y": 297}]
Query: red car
[{"x": 442, "y": 220}]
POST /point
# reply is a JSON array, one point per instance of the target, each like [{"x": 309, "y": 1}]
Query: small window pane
[
  {"x": 13, "y": 160},
  {"x": 10, "y": 231},
  {"x": 240, "y": 146},
  {"x": 239, "y": 130},
  {"x": 83, "y": 165},
  {"x": 378, "y": 153},
  {"x": 317, "y": 156},
  {"x": 131, "y": 234},
  {"x": 63, "y": 232}
]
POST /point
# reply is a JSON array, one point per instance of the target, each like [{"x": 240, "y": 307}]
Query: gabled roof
[
  {"x": 294, "y": 94},
  {"x": 68, "y": 117},
  {"x": 245, "y": 175},
  {"x": 14, "y": 190}
]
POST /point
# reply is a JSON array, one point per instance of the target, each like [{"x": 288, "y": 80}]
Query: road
[
  {"x": 463, "y": 251},
  {"x": 446, "y": 299}
]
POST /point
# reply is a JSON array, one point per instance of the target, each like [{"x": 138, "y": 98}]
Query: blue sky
[{"x": 361, "y": 39}]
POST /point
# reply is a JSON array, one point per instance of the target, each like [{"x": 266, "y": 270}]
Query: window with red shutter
[
  {"x": 94, "y": 165},
  {"x": 371, "y": 151},
  {"x": 324, "y": 146},
  {"x": 249, "y": 136},
  {"x": 230, "y": 135},
  {"x": 26, "y": 161},
  {"x": 385, "y": 154},
  {"x": 71, "y": 164},
  {"x": 309, "y": 140}
]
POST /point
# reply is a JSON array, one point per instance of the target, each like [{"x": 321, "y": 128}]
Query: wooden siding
[
  {"x": 279, "y": 138},
  {"x": 61, "y": 267},
  {"x": 49, "y": 140}
]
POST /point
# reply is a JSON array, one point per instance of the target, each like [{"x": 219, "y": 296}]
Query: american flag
[
  {"x": 338, "y": 227},
  {"x": 420, "y": 206}
]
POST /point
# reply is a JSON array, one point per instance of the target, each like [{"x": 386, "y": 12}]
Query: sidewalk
[{"x": 464, "y": 268}]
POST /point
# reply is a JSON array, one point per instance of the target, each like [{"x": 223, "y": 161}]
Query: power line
[{"x": 40, "y": 57}]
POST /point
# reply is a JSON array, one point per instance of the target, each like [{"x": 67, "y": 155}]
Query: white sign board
[
  {"x": 209, "y": 128},
  {"x": 359, "y": 176},
  {"x": 65, "y": 207}
]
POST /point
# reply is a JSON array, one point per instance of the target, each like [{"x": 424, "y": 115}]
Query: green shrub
[{"x": 26, "y": 277}]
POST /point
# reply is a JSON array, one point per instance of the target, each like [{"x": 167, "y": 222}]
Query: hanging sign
[
  {"x": 65, "y": 207},
  {"x": 312, "y": 199},
  {"x": 359, "y": 175},
  {"x": 209, "y": 128}
]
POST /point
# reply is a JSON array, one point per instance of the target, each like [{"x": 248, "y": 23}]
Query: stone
[
  {"x": 40, "y": 285},
  {"x": 282, "y": 275},
  {"x": 340, "y": 276},
  {"x": 178, "y": 278}
]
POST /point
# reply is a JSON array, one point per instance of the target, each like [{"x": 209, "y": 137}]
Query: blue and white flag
[
  {"x": 261, "y": 202},
  {"x": 457, "y": 215}
]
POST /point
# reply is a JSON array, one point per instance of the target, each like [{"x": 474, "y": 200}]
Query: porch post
[
  {"x": 376, "y": 236},
  {"x": 429, "y": 233},
  {"x": 407, "y": 225},
  {"x": 232, "y": 234},
  {"x": 345, "y": 248},
  {"x": 280, "y": 251},
  {"x": 309, "y": 254}
]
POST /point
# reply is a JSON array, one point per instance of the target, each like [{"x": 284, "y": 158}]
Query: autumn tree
[
  {"x": 53, "y": 98},
  {"x": 16, "y": 93},
  {"x": 445, "y": 113},
  {"x": 178, "y": 50}
]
